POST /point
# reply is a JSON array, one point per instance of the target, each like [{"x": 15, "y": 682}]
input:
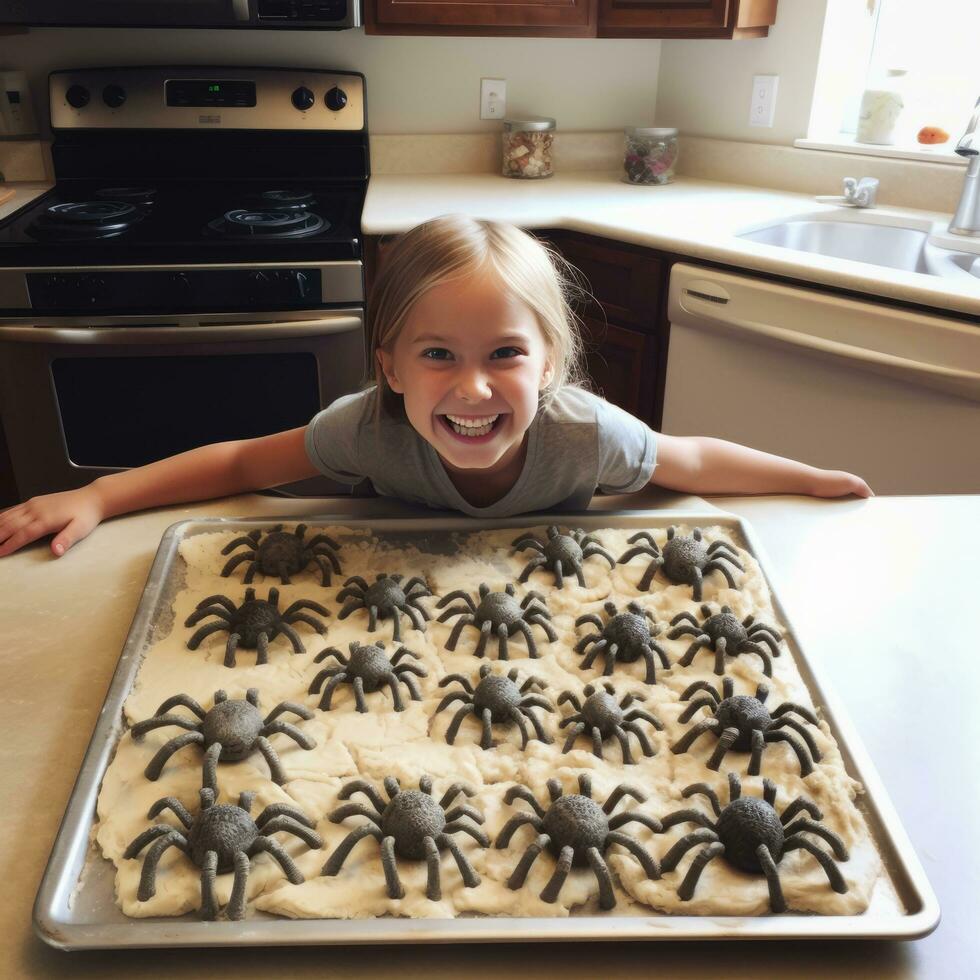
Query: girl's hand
[
  {"x": 70, "y": 516},
  {"x": 837, "y": 483}
]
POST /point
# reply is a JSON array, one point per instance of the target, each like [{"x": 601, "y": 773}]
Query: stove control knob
[
  {"x": 336, "y": 99},
  {"x": 92, "y": 290},
  {"x": 77, "y": 96},
  {"x": 303, "y": 99},
  {"x": 113, "y": 96},
  {"x": 181, "y": 283},
  {"x": 302, "y": 284}
]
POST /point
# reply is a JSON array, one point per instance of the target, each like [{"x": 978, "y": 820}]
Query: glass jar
[
  {"x": 527, "y": 147},
  {"x": 650, "y": 156},
  {"x": 881, "y": 105}
]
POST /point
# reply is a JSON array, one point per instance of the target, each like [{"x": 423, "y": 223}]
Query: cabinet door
[
  {"x": 550, "y": 18},
  {"x": 620, "y": 363},
  {"x": 686, "y": 18}
]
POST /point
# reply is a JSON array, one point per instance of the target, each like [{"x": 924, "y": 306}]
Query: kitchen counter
[
  {"x": 25, "y": 191},
  {"x": 868, "y": 584},
  {"x": 696, "y": 218}
]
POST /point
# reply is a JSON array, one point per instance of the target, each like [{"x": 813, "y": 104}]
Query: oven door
[{"x": 82, "y": 398}]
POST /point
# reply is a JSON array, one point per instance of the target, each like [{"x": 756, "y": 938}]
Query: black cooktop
[{"x": 90, "y": 223}]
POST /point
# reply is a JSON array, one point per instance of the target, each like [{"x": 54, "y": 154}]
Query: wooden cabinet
[{"x": 573, "y": 18}]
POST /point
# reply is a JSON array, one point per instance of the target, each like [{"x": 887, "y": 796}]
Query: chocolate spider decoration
[
  {"x": 562, "y": 553},
  {"x": 366, "y": 670},
  {"x": 724, "y": 634},
  {"x": 686, "y": 559},
  {"x": 578, "y": 831},
  {"x": 283, "y": 554},
  {"x": 602, "y": 718},
  {"x": 750, "y": 835},
  {"x": 624, "y": 638},
  {"x": 411, "y": 825},
  {"x": 742, "y": 723},
  {"x": 222, "y": 837},
  {"x": 385, "y": 598},
  {"x": 496, "y": 699},
  {"x": 253, "y": 624},
  {"x": 498, "y": 614},
  {"x": 228, "y": 732}
]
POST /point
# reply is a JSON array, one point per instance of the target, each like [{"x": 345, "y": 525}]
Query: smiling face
[{"x": 470, "y": 361}]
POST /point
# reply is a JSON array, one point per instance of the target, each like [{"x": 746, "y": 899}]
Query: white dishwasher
[{"x": 888, "y": 393}]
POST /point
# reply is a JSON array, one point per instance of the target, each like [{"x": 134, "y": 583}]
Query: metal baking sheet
[{"x": 76, "y": 909}]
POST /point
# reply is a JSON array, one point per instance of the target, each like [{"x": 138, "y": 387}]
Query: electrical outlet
[
  {"x": 763, "y": 108},
  {"x": 493, "y": 98}
]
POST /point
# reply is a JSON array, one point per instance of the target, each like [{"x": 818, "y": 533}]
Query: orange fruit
[{"x": 932, "y": 134}]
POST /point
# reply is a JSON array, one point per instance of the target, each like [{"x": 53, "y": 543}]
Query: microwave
[{"x": 329, "y": 15}]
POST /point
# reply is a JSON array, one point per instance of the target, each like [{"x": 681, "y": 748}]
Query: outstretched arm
[
  {"x": 200, "y": 474},
  {"x": 699, "y": 464}
]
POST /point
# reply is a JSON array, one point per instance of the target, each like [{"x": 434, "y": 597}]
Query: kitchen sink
[{"x": 892, "y": 241}]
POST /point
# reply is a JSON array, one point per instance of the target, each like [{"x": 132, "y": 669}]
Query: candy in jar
[
  {"x": 527, "y": 147},
  {"x": 650, "y": 156}
]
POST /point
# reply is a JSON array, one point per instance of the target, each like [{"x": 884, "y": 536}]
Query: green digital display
[
  {"x": 214, "y": 88},
  {"x": 204, "y": 92}
]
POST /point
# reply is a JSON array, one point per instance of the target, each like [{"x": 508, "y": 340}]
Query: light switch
[
  {"x": 493, "y": 98},
  {"x": 763, "y": 109}
]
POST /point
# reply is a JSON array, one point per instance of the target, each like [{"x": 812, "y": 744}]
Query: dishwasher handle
[{"x": 954, "y": 381}]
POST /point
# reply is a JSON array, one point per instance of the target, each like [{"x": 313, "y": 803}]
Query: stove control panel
[{"x": 196, "y": 98}]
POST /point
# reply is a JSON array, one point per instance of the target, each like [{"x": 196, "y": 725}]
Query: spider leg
[
  {"x": 535, "y": 700},
  {"x": 536, "y": 562},
  {"x": 392, "y": 881},
  {"x": 518, "y": 719},
  {"x": 464, "y": 696},
  {"x": 262, "y": 646},
  {"x": 326, "y": 576},
  {"x": 293, "y": 636},
  {"x": 685, "y": 629},
  {"x": 285, "y": 728},
  {"x": 584, "y": 786},
  {"x": 686, "y": 892},
  {"x": 515, "y": 823},
  {"x": 597, "y": 648},
  {"x": 672, "y": 858},
  {"x": 406, "y": 676},
  {"x": 353, "y": 580},
  {"x": 336, "y": 860},
  {"x": 235, "y": 561},
  {"x": 330, "y": 652},
  {"x": 526, "y": 541},
  {"x": 359, "y": 703},
  {"x": 781, "y": 735},
  {"x": 392, "y": 681},
  {"x": 747, "y": 646},
  {"x": 465, "y": 620},
  {"x": 624, "y": 745},
  {"x": 799, "y": 709},
  {"x": 519, "y": 792},
  {"x": 278, "y": 853},
  {"x": 453, "y": 728},
  {"x": 686, "y": 816},
  {"x": 162, "y": 721},
  {"x": 272, "y": 758},
  {"x": 231, "y": 647},
  {"x": 459, "y": 594},
  {"x": 249, "y": 540},
  {"x": 310, "y": 621},
  {"x": 203, "y": 612},
  {"x": 470, "y": 878},
  {"x": 800, "y": 729},
  {"x": 322, "y": 676},
  {"x": 209, "y": 901},
  {"x": 457, "y": 827},
  {"x": 209, "y": 775},
  {"x": 725, "y": 741},
  {"x": 801, "y": 803},
  {"x": 579, "y": 573},
  {"x": 574, "y": 734},
  {"x": 195, "y": 641},
  {"x": 834, "y": 876},
  {"x": 178, "y": 808},
  {"x": 235, "y": 908},
  {"x": 650, "y": 573},
  {"x": 776, "y": 901},
  {"x": 481, "y": 643},
  {"x": 586, "y": 640},
  {"x": 401, "y": 653},
  {"x": 354, "y": 810},
  {"x": 148, "y": 876},
  {"x": 702, "y": 641},
  {"x": 704, "y": 686},
  {"x": 641, "y": 714},
  {"x": 697, "y": 583},
  {"x": 362, "y": 786},
  {"x": 651, "y": 551},
  {"x": 328, "y": 689},
  {"x": 353, "y": 603},
  {"x": 595, "y": 549},
  {"x": 519, "y": 875},
  {"x": 297, "y": 709},
  {"x": 283, "y": 810},
  {"x": 623, "y": 789},
  {"x": 464, "y": 810},
  {"x": 647, "y": 653},
  {"x": 716, "y": 565},
  {"x": 645, "y": 746},
  {"x": 537, "y": 619},
  {"x": 320, "y": 553},
  {"x": 632, "y": 816},
  {"x": 137, "y": 845},
  {"x": 763, "y": 636},
  {"x": 648, "y": 862},
  {"x": 571, "y": 698},
  {"x": 703, "y": 789},
  {"x": 804, "y": 824},
  {"x": 600, "y": 869},
  {"x": 183, "y": 700},
  {"x": 553, "y": 888},
  {"x": 285, "y": 823},
  {"x": 758, "y": 746},
  {"x": 722, "y": 543},
  {"x": 415, "y": 615},
  {"x": 693, "y": 734}
]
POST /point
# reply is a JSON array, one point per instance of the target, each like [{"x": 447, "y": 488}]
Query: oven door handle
[{"x": 175, "y": 334}]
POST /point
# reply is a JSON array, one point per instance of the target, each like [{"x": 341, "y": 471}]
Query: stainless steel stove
[{"x": 193, "y": 276}]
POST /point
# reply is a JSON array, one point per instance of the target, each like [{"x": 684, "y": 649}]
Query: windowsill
[{"x": 841, "y": 143}]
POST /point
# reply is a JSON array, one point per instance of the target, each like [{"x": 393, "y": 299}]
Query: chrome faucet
[
  {"x": 966, "y": 221},
  {"x": 861, "y": 193}
]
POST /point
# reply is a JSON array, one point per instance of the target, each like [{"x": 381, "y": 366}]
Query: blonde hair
[{"x": 454, "y": 246}]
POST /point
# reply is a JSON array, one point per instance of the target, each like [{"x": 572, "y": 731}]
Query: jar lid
[
  {"x": 662, "y": 132},
  {"x": 528, "y": 125}
]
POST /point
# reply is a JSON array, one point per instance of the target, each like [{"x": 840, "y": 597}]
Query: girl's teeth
[{"x": 471, "y": 427}]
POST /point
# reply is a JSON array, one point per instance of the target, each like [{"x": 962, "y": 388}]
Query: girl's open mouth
[{"x": 471, "y": 428}]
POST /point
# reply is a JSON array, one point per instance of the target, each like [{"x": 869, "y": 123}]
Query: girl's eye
[
  {"x": 437, "y": 354},
  {"x": 501, "y": 352}
]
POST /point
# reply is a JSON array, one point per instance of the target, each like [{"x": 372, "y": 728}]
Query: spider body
[
  {"x": 744, "y": 724},
  {"x": 562, "y": 553},
  {"x": 578, "y": 832},
  {"x": 219, "y": 838},
  {"x": 624, "y": 637},
  {"x": 495, "y": 699},
  {"x": 686, "y": 559},
  {"x": 498, "y": 614},
  {"x": 411, "y": 825},
  {"x": 228, "y": 732},
  {"x": 367, "y": 669},
  {"x": 253, "y": 624},
  {"x": 385, "y": 598},
  {"x": 283, "y": 554},
  {"x": 602, "y": 718},
  {"x": 725, "y": 634},
  {"x": 752, "y": 836}
]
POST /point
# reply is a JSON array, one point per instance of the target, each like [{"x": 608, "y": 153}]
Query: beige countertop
[
  {"x": 877, "y": 590},
  {"x": 697, "y": 218},
  {"x": 25, "y": 191}
]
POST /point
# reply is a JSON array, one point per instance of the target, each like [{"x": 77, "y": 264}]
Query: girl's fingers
[
  {"x": 24, "y": 535},
  {"x": 66, "y": 538}
]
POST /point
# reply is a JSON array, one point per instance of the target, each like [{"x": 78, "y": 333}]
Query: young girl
[{"x": 477, "y": 406}]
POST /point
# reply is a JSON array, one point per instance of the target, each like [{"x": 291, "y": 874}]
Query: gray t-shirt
[{"x": 575, "y": 444}]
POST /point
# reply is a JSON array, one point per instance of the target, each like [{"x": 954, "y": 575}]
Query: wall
[
  {"x": 705, "y": 86},
  {"x": 415, "y": 85}
]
